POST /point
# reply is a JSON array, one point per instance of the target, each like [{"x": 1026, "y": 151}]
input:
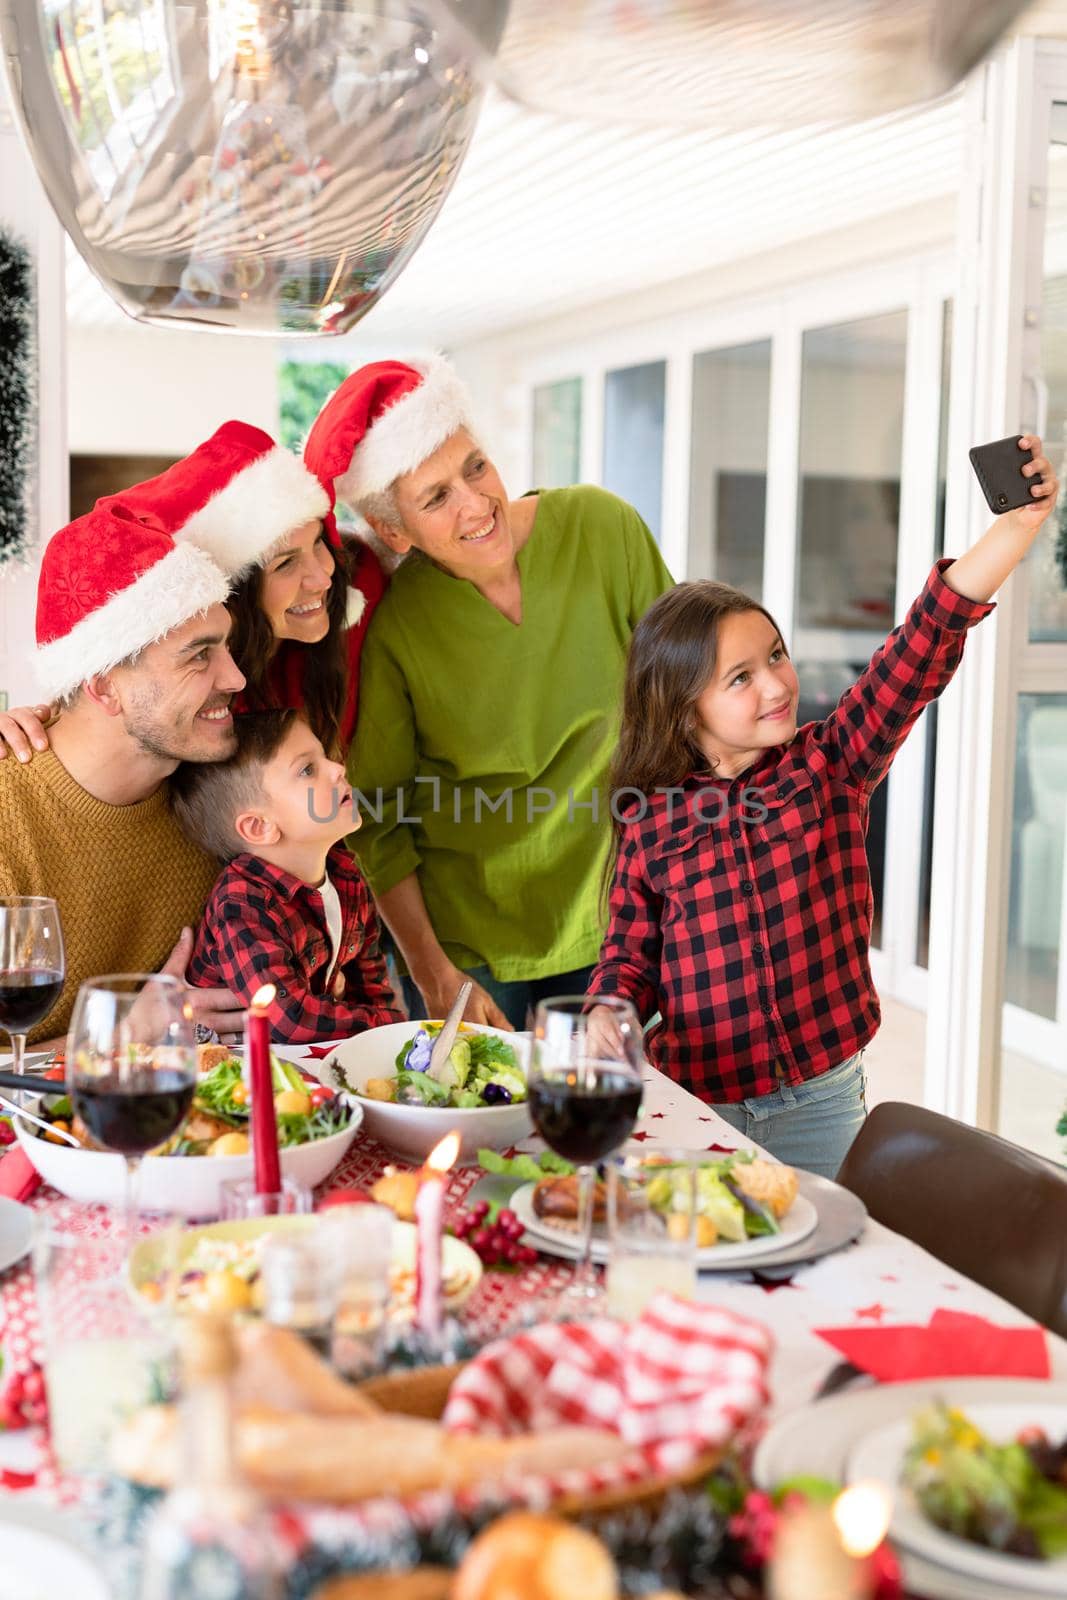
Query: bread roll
[
  {"x": 397, "y": 1188},
  {"x": 528, "y": 1557}
]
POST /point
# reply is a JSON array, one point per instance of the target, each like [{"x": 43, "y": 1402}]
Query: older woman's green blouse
[{"x": 482, "y": 748}]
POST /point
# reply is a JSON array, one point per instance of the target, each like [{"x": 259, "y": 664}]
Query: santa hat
[
  {"x": 236, "y": 496},
  {"x": 109, "y": 586},
  {"x": 384, "y": 421}
]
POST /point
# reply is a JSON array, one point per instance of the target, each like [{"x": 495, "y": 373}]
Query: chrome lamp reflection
[{"x": 246, "y": 164}]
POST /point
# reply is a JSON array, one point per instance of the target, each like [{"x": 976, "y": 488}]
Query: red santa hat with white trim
[
  {"x": 383, "y": 421},
  {"x": 235, "y": 496},
  {"x": 109, "y": 586}
]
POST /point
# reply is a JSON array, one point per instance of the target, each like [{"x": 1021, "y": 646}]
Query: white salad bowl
[
  {"x": 411, "y": 1131},
  {"x": 188, "y": 1186}
]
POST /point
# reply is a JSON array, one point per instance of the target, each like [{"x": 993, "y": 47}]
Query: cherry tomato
[
  {"x": 320, "y": 1094},
  {"x": 239, "y": 1094}
]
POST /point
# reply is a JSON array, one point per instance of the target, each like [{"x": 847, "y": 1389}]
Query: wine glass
[
  {"x": 131, "y": 1066},
  {"x": 584, "y": 1088},
  {"x": 32, "y": 967}
]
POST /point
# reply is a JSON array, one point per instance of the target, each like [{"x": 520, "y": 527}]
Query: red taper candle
[{"x": 261, "y": 1089}]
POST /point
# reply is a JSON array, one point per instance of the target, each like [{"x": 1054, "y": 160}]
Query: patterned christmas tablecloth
[{"x": 880, "y": 1280}]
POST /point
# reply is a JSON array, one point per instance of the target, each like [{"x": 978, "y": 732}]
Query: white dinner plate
[
  {"x": 16, "y": 1233},
  {"x": 41, "y": 1557},
  {"x": 798, "y": 1222},
  {"x": 880, "y": 1458}
]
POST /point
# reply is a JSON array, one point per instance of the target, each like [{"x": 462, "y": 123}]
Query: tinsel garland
[{"x": 16, "y": 394}]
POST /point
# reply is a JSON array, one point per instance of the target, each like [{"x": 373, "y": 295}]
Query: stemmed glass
[
  {"x": 584, "y": 1087},
  {"x": 131, "y": 1066},
  {"x": 32, "y": 967}
]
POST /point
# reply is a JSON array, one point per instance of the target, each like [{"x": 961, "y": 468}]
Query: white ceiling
[{"x": 549, "y": 215}]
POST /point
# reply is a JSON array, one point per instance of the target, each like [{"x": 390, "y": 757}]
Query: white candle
[{"x": 429, "y": 1233}]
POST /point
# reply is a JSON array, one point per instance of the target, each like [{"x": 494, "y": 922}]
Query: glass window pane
[
  {"x": 633, "y": 437},
  {"x": 851, "y": 433},
  {"x": 557, "y": 434},
  {"x": 728, "y": 483},
  {"x": 922, "y": 932},
  {"x": 1047, "y": 567},
  {"x": 1032, "y": 1090}
]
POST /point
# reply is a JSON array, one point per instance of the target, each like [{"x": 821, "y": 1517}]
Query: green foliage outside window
[{"x": 303, "y": 386}]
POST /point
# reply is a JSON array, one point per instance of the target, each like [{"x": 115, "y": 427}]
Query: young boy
[{"x": 290, "y": 908}]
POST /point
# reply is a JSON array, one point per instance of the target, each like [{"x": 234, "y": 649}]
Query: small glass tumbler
[
  {"x": 360, "y": 1239},
  {"x": 107, "y": 1350},
  {"x": 301, "y": 1278},
  {"x": 652, "y": 1213},
  {"x": 240, "y": 1200}
]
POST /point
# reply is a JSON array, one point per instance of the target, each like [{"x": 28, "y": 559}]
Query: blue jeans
[
  {"x": 516, "y": 1000},
  {"x": 809, "y": 1125}
]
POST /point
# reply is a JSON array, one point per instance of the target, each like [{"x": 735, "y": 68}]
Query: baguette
[
  {"x": 342, "y": 1459},
  {"x": 280, "y": 1369}
]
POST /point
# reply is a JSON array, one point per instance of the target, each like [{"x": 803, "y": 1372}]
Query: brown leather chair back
[{"x": 987, "y": 1208}]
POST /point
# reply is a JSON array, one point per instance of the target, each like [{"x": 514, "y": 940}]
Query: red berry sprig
[
  {"x": 23, "y": 1400},
  {"x": 496, "y": 1244}
]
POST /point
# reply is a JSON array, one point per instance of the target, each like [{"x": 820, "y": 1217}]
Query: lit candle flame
[
  {"x": 443, "y": 1156},
  {"x": 861, "y": 1515},
  {"x": 264, "y": 997}
]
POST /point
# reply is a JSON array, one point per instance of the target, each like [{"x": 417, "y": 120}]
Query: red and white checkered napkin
[{"x": 680, "y": 1381}]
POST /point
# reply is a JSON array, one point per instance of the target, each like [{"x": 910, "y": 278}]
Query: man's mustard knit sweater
[{"x": 125, "y": 877}]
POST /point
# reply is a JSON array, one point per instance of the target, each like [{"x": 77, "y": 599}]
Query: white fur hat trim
[
  {"x": 407, "y": 432},
  {"x": 247, "y": 520},
  {"x": 185, "y": 583}
]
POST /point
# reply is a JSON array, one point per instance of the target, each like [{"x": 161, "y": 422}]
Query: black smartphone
[{"x": 999, "y": 469}]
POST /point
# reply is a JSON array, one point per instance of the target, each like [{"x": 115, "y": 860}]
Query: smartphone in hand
[{"x": 999, "y": 469}]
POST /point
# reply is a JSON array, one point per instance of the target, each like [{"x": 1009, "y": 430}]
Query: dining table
[{"x": 875, "y": 1280}]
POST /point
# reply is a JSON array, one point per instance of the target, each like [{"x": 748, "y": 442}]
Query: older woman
[{"x": 491, "y": 681}]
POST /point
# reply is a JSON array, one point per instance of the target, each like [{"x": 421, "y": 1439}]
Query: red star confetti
[
  {"x": 889, "y": 1277},
  {"x": 722, "y": 1149},
  {"x": 318, "y": 1052},
  {"x": 640, "y": 1137},
  {"x": 656, "y": 1114},
  {"x": 872, "y": 1313}
]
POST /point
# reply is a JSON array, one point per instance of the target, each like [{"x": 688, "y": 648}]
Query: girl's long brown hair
[
  {"x": 325, "y": 682},
  {"x": 671, "y": 661}
]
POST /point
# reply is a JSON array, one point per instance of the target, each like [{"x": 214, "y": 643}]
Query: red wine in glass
[
  {"x": 32, "y": 967},
  {"x": 27, "y": 996},
  {"x": 136, "y": 1111},
  {"x": 585, "y": 1113},
  {"x": 584, "y": 1088}
]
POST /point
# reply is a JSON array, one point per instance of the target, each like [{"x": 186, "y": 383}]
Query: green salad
[
  {"x": 479, "y": 1070},
  {"x": 1009, "y": 1497}
]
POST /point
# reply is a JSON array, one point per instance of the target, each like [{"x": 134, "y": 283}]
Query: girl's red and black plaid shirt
[
  {"x": 741, "y": 911},
  {"x": 263, "y": 925}
]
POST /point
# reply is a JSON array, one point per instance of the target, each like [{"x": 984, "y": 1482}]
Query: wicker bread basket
[{"x": 423, "y": 1392}]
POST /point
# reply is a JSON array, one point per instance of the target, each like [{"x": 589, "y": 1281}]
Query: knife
[
  {"x": 449, "y": 1028},
  {"x": 29, "y": 1084}
]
